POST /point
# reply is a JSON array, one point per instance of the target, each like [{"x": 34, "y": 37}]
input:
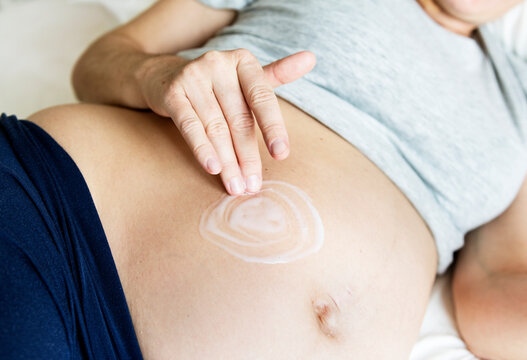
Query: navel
[
  {"x": 277, "y": 225},
  {"x": 328, "y": 311}
]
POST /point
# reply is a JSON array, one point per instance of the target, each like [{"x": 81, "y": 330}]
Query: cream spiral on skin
[{"x": 277, "y": 225}]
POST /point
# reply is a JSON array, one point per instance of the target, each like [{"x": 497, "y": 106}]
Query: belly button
[{"x": 327, "y": 312}]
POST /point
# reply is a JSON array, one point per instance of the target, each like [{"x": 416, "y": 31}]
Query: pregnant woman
[{"x": 407, "y": 134}]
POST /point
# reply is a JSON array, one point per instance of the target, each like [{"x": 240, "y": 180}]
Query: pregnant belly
[{"x": 359, "y": 294}]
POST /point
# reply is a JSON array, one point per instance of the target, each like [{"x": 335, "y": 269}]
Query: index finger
[{"x": 263, "y": 102}]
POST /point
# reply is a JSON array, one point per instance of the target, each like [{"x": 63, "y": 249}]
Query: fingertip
[
  {"x": 309, "y": 54},
  {"x": 279, "y": 149},
  {"x": 235, "y": 186},
  {"x": 213, "y": 166},
  {"x": 310, "y": 60},
  {"x": 282, "y": 156},
  {"x": 254, "y": 184}
]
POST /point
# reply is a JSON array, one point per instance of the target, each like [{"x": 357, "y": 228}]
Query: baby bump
[{"x": 329, "y": 261}]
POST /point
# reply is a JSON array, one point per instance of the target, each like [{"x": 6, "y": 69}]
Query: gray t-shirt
[{"x": 443, "y": 116}]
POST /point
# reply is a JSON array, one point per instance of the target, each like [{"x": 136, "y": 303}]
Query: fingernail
[
  {"x": 278, "y": 147},
  {"x": 253, "y": 183},
  {"x": 213, "y": 165},
  {"x": 236, "y": 186}
]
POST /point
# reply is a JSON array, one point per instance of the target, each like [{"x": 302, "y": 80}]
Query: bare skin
[
  {"x": 464, "y": 16},
  {"x": 183, "y": 292}
]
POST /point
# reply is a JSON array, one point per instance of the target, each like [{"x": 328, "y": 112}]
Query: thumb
[{"x": 290, "y": 68}]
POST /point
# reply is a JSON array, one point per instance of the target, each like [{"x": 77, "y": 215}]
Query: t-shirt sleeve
[{"x": 227, "y": 4}]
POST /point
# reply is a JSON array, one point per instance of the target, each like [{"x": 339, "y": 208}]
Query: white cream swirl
[{"x": 277, "y": 225}]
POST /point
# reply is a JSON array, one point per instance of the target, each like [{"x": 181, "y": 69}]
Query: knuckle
[
  {"x": 215, "y": 60},
  {"x": 200, "y": 150},
  {"x": 260, "y": 94},
  {"x": 272, "y": 128},
  {"x": 188, "y": 125},
  {"x": 212, "y": 56},
  {"x": 230, "y": 165},
  {"x": 242, "y": 122},
  {"x": 245, "y": 54},
  {"x": 217, "y": 128},
  {"x": 191, "y": 70},
  {"x": 250, "y": 161}
]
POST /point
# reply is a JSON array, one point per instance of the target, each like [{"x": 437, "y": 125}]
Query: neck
[{"x": 446, "y": 20}]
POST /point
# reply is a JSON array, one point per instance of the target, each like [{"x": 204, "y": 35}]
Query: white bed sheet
[{"x": 40, "y": 41}]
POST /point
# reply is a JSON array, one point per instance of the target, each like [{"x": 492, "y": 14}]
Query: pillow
[
  {"x": 123, "y": 10},
  {"x": 40, "y": 41}
]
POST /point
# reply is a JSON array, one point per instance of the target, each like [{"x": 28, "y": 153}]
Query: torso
[{"x": 190, "y": 299}]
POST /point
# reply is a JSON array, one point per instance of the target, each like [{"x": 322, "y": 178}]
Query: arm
[
  {"x": 213, "y": 100},
  {"x": 490, "y": 285},
  {"x": 118, "y": 58}
]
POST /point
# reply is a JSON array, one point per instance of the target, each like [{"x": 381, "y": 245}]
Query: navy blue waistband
[{"x": 61, "y": 294}]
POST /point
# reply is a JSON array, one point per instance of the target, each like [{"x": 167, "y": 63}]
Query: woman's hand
[{"x": 212, "y": 100}]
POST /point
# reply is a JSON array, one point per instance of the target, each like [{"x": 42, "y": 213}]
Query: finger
[
  {"x": 290, "y": 68},
  {"x": 242, "y": 128},
  {"x": 263, "y": 103},
  {"x": 191, "y": 129},
  {"x": 207, "y": 108}
]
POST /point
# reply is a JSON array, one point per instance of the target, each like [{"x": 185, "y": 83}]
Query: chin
[{"x": 477, "y": 11}]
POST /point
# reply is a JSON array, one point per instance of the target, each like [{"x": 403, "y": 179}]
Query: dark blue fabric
[{"x": 60, "y": 294}]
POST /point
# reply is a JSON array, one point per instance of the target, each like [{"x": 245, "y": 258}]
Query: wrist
[{"x": 142, "y": 71}]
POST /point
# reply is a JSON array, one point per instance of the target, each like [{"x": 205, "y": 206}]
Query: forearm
[
  {"x": 110, "y": 69},
  {"x": 107, "y": 72},
  {"x": 490, "y": 304}
]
